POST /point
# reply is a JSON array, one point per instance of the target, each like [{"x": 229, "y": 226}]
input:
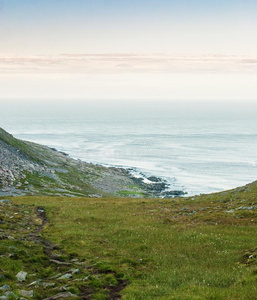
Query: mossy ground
[{"x": 200, "y": 247}]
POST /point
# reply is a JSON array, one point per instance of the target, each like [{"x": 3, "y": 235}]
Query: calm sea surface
[{"x": 196, "y": 147}]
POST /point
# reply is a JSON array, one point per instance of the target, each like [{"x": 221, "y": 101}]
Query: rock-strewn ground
[{"x": 33, "y": 267}]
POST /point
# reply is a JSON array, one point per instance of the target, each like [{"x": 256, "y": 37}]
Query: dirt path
[{"x": 64, "y": 265}]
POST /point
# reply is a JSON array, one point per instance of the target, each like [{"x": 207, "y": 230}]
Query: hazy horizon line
[{"x": 118, "y": 63}]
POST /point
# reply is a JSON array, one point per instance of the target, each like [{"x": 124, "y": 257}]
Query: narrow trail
[{"x": 64, "y": 265}]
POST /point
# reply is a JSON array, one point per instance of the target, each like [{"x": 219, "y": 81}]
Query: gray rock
[
  {"x": 154, "y": 179},
  {"x": 37, "y": 282},
  {"x": 56, "y": 276},
  {"x": 28, "y": 294},
  {"x": 95, "y": 196},
  {"x": 5, "y": 287},
  {"x": 10, "y": 295},
  {"x": 65, "y": 276},
  {"x": 246, "y": 208},
  {"x": 21, "y": 276},
  {"x": 5, "y": 201},
  {"x": 62, "y": 295},
  {"x": 86, "y": 278},
  {"x": 3, "y": 298}
]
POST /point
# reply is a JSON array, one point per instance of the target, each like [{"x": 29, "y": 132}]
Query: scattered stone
[
  {"x": 28, "y": 294},
  {"x": 246, "y": 208},
  {"x": 87, "y": 278},
  {"x": 5, "y": 287},
  {"x": 61, "y": 295},
  {"x": 65, "y": 276},
  {"x": 58, "y": 262},
  {"x": 56, "y": 276},
  {"x": 37, "y": 282},
  {"x": 10, "y": 295},
  {"x": 95, "y": 196},
  {"x": 21, "y": 276},
  {"x": 5, "y": 201}
]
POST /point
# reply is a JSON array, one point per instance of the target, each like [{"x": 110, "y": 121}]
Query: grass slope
[{"x": 201, "y": 247}]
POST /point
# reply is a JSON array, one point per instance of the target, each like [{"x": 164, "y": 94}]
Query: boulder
[
  {"x": 28, "y": 294},
  {"x": 21, "y": 276}
]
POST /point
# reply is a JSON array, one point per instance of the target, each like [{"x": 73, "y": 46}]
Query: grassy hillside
[{"x": 201, "y": 247}]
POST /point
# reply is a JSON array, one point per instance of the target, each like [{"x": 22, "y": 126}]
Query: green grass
[
  {"x": 166, "y": 249},
  {"x": 127, "y": 193}
]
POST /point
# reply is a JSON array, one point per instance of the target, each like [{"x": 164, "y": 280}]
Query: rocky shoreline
[
  {"x": 30, "y": 169},
  {"x": 157, "y": 186}
]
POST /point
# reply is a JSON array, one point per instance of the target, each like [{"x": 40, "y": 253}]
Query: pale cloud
[
  {"x": 130, "y": 76},
  {"x": 126, "y": 63}
]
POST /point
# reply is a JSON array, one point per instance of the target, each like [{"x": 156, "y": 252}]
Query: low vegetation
[{"x": 202, "y": 247}]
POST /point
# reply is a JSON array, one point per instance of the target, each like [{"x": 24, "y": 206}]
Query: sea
[{"x": 195, "y": 146}]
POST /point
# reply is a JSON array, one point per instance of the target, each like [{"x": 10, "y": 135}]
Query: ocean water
[{"x": 197, "y": 147}]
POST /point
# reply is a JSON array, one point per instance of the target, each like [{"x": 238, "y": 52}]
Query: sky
[{"x": 137, "y": 49}]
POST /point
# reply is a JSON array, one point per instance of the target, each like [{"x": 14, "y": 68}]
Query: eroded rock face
[{"x": 13, "y": 168}]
